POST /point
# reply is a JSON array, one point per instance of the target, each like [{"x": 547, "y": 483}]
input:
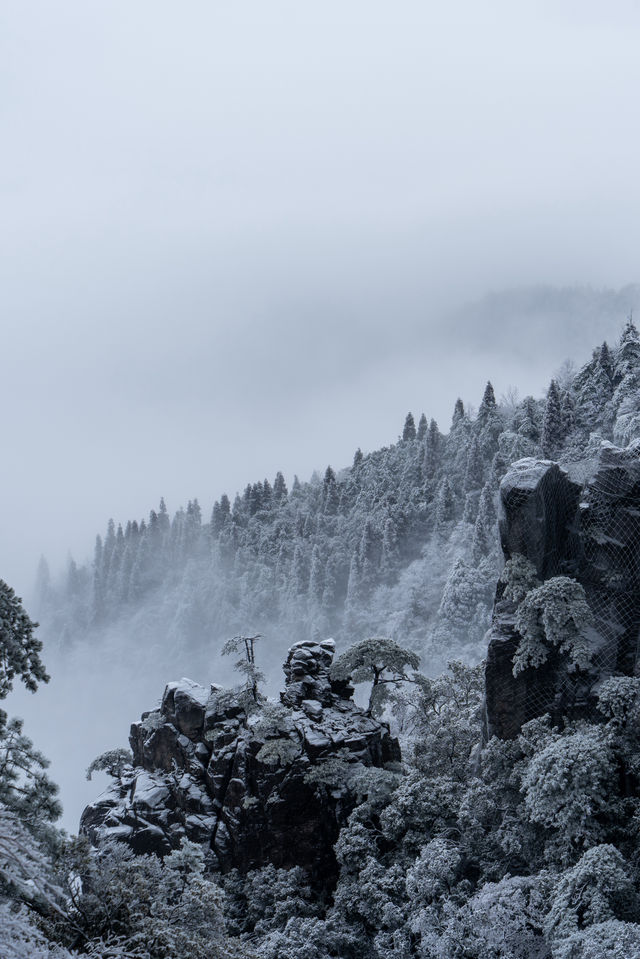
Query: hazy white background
[
  {"x": 237, "y": 237},
  {"x": 230, "y": 230}
]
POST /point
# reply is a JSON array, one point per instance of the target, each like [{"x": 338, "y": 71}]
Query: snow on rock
[
  {"x": 184, "y": 704},
  {"x": 237, "y": 784},
  {"x": 537, "y": 504}
]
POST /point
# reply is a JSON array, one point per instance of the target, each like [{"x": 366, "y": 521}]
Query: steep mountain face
[
  {"x": 255, "y": 787},
  {"x": 587, "y": 531}
]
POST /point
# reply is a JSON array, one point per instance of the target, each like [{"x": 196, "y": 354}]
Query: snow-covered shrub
[
  {"x": 612, "y": 939},
  {"x": 555, "y": 614},
  {"x": 143, "y": 906},
  {"x": 518, "y": 577},
  {"x": 597, "y": 889},
  {"x": 567, "y": 785},
  {"x": 502, "y": 919}
]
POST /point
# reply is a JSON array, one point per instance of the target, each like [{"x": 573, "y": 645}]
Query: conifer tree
[
  {"x": 422, "y": 428},
  {"x": 298, "y": 575},
  {"x": 367, "y": 559},
  {"x": 463, "y": 611},
  {"x": 474, "y": 471},
  {"x": 552, "y": 429},
  {"x": 527, "y": 420},
  {"x": 140, "y": 577},
  {"x": 380, "y": 661},
  {"x": 411, "y": 478},
  {"x": 254, "y": 498},
  {"x": 488, "y": 405},
  {"x": 444, "y": 507},
  {"x": 330, "y": 590},
  {"x": 217, "y": 519},
  {"x": 280, "y": 491},
  {"x": 628, "y": 352},
  {"x": 499, "y": 467},
  {"x": 124, "y": 573},
  {"x": 485, "y": 539},
  {"x": 409, "y": 431},
  {"x": 19, "y": 648},
  {"x": 458, "y": 412},
  {"x": 488, "y": 425},
  {"x": 389, "y": 556},
  {"x": 98, "y": 581},
  {"x": 606, "y": 360},
  {"x": 568, "y": 409},
  {"x": 627, "y": 367},
  {"x": 108, "y": 548},
  {"x": 316, "y": 576},
  {"x": 163, "y": 516},
  {"x": 330, "y": 495},
  {"x": 357, "y": 458},
  {"x": 353, "y": 599},
  {"x": 432, "y": 452},
  {"x": 470, "y": 510}
]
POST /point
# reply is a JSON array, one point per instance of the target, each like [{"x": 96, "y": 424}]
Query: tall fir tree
[
  {"x": 485, "y": 531},
  {"x": 552, "y": 426},
  {"x": 409, "y": 430},
  {"x": 432, "y": 452},
  {"x": 473, "y": 477},
  {"x": 280, "y": 491},
  {"x": 488, "y": 406},
  {"x": 458, "y": 412}
]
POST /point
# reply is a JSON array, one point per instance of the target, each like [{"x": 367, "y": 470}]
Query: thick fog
[{"x": 241, "y": 238}]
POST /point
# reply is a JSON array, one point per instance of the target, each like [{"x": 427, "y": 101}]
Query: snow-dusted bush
[
  {"x": 567, "y": 785},
  {"x": 554, "y": 615},
  {"x": 518, "y": 577},
  {"x": 598, "y": 888}
]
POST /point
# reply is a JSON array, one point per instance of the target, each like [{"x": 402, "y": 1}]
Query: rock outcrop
[
  {"x": 238, "y": 781},
  {"x": 591, "y": 532}
]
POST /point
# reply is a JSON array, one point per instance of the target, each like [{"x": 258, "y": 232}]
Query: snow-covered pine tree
[
  {"x": 552, "y": 426},
  {"x": 409, "y": 429}
]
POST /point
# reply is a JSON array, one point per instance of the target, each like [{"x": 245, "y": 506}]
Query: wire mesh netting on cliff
[
  {"x": 608, "y": 561},
  {"x": 584, "y": 523}
]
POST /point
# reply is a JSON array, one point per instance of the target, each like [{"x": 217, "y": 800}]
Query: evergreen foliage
[
  {"x": 409, "y": 430},
  {"x": 379, "y": 661},
  {"x": 19, "y": 648},
  {"x": 555, "y": 614},
  {"x": 552, "y": 423}
]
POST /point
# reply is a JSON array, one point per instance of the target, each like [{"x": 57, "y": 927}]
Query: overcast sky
[{"x": 230, "y": 232}]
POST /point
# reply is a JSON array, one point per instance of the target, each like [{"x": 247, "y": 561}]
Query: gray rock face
[
  {"x": 538, "y": 506},
  {"x": 592, "y": 533},
  {"x": 236, "y": 783}
]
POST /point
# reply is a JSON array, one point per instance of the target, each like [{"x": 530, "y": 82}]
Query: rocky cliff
[
  {"x": 590, "y": 532},
  {"x": 237, "y": 780}
]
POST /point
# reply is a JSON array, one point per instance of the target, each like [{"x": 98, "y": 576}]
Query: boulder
[{"x": 538, "y": 504}]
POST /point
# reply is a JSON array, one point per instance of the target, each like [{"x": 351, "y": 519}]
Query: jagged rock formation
[
  {"x": 590, "y": 532},
  {"x": 237, "y": 782}
]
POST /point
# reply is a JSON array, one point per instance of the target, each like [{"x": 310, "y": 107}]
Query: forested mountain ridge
[
  {"x": 508, "y": 830},
  {"x": 401, "y": 543}
]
